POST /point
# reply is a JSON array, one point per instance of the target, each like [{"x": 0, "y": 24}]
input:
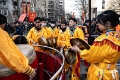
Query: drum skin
[{"x": 33, "y": 62}]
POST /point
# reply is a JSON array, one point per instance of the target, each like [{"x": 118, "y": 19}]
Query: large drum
[{"x": 8, "y": 74}]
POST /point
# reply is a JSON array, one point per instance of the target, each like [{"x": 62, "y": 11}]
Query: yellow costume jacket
[
  {"x": 48, "y": 31},
  {"x": 10, "y": 55},
  {"x": 78, "y": 33},
  {"x": 33, "y": 35},
  {"x": 103, "y": 56},
  {"x": 54, "y": 32},
  {"x": 63, "y": 38}
]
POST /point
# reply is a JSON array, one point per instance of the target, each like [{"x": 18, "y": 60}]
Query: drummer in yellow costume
[
  {"x": 36, "y": 32},
  {"x": 46, "y": 27},
  {"x": 10, "y": 55},
  {"x": 74, "y": 32},
  {"x": 63, "y": 38},
  {"x": 54, "y": 33},
  {"x": 105, "y": 51},
  {"x": 54, "y": 29}
]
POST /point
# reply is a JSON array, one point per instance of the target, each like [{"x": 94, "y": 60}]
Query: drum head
[
  {"x": 70, "y": 56},
  {"x": 43, "y": 41}
]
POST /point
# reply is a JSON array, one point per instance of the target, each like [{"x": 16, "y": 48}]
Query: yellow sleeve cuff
[{"x": 29, "y": 71}]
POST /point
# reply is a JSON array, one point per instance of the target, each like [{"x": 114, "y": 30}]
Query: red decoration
[
  {"x": 22, "y": 17},
  {"x": 78, "y": 66},
  {"x": 32, "y": 16}
]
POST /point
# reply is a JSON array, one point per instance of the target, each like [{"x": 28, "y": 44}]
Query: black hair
[
  {"x": 43, "y": 19},
  {"x": 53, "y": 22},
  {"x": 16, "y": 22},
  {"x": 64, "y": 23},
  {"x": 75, "y": 20},
  {"x": 110, "y": 16},
  {"x": 86, "y": 21},
  {"x": 3, "y": 19},
  {"x": 20, "y": 40},
  {"x": 37, "y": 18}
]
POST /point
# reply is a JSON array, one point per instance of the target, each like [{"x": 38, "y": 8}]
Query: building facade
[
  {"x": 99, "y": 6},
  {"x": 52, "y": 9},
  {"x": 9, "y": 8}
]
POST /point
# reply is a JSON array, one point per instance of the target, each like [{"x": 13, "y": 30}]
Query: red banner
[
  {"x": 22, "y": 17},
  {"x": 32, "y": 16}
]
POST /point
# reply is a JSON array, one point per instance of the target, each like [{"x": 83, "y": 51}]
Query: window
[
  {"x": 60, "y": 2},
  {"x": 103, "y": 4},
  {"x": 5, "y": 12},
  {"x": 15, "y": 3},
  {"x": 14, "y": 12},
  {"x": 0, "y": 11},
  {"x": 60, "y": 6},
  {"x": 50, "y": 6},
  {"x": 50, "y": 2},
  {"x": 34, "y": 5},
  {"x": 49, "y": 14},
  {"x": 49, "y": 10},
  {"x": 103, "y": 1},
  {"x": 4, "y": 2}
]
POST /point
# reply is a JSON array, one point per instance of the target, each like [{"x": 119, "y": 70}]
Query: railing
[
  {"x": 63, "y": 61},
  {"x": 94, "y": 35}
]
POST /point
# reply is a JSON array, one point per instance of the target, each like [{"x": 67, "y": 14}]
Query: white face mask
[
  {"x": 43, "y": 24},
  {"x": 52, "y": 25}
]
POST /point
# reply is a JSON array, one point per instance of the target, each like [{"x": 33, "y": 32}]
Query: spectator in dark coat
[
  {"x": 19, "y": 30},
  {"x": 8, "y": 28}
]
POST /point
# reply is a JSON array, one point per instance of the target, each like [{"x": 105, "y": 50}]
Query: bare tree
[
  {"x": 68, "y": 16},
  {"x": 115, "y": 6},
  {"x": 82, "y": 6}
]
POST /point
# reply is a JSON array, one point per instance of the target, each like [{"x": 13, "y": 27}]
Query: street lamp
[{"x": 89, "y": 31}]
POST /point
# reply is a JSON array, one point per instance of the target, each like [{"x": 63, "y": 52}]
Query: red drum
[
  {"x": 51, "y": 65},
  {"x": 8, "y": 74}
]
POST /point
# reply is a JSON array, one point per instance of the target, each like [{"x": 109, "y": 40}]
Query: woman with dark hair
[
  {"x": 20, "y": 40},
  {"x": 105, "y": 51}
]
